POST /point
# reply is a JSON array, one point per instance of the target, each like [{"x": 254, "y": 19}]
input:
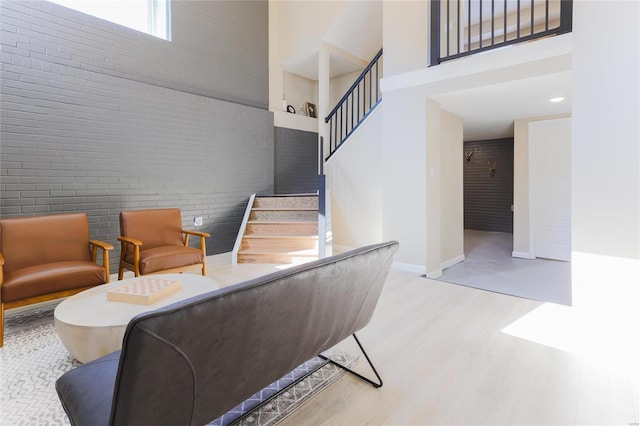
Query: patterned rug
[{"x": 33, "y": 357}]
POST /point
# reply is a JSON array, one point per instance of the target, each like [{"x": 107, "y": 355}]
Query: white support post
[{"x": 324, "y": 81}]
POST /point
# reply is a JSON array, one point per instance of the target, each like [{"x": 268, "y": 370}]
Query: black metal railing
[
  {"x": 464, "y": 27},
  {"x": 356, "y": 105}
]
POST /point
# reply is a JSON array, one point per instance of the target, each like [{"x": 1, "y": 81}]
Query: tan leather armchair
[
  {"x": 154, "y": 242},
  {"x": 48, "y": 257}
]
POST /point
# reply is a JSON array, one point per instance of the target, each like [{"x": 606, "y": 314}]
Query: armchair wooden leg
[
  {"x": 203, "y": 247},
  {"x": 107, "y": 267},
  {"x": 120, "y": 267}
]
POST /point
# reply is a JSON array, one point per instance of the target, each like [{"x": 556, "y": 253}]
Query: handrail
[
  {"x": 344, "y": 119},
  {"x": 457, "y": 27},
  {"x": 354, "y": 85}
]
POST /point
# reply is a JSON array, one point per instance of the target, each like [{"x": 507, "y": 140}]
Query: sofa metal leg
[{"x": 377, "y": 384}]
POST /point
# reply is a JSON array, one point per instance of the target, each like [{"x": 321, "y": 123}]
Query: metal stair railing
[{"x": 355, "y": 106}]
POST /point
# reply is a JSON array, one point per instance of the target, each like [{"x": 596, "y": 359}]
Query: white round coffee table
[{"x": 90, "y": 326}]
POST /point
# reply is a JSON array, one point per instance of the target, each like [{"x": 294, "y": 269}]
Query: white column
[{"x": 324, "y": 81}]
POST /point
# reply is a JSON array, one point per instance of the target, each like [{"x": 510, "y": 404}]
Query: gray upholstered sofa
[{"x": 190, "y": 362}]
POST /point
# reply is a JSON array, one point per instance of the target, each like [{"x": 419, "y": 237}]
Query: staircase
[{"x": 279, "y": 229}]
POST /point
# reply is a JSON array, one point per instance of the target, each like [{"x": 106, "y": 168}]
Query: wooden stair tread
[
  {"x": 304, "y": 252},
  {"x": 276, "y": 236},
  {"x": 278, "y": 222},
  {"x": 285, "y": 209},
  {"x": 280, "y": 230}
]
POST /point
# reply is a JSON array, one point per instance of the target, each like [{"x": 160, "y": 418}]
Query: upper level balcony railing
[{"x": 464, "y": 27}]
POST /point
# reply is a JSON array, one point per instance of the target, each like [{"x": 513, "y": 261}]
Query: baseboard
[
  {"x": 435, "y": 274},
  {"x": 522, "y": 255},
  {"x": 449, "y": 263},
  {"x": 408, "y": 267}
]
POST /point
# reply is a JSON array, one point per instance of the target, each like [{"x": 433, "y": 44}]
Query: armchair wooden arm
[
  {"x": 202, "y": 236},
  {"x": 125, "y": 243},
  {"x": 95, "y": 244},
  {"x": 132, "y": 241},
  {"x": 196, "y": 233},
  {"x": 203, "y": 246}
]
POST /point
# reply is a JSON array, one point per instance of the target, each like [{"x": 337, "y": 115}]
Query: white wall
[
  {"x": 452, "y": 189},
  {"x": 433, "y": 188},
  {"x": 355, "y": 184},
  {"x": 303, "y": 24},
  {"x": 605, "y": 264},
  {"x": 404, "y": 36},
  {"x": 340, "y": 85},
  {"x": 521, "y": 240},
  {"x": 404, "y": 182},
  {"x": 298, "y": 90},
  {"x": 606, "y": 172},
  {"x": 293, "y": 34},
  {"x": 605, "y": 127},
  {"x": 404, "y": 132}
]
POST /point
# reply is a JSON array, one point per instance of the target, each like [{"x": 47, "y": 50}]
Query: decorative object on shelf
[
  {"x": 492, "y": 168},
  {"x": 285, "y": 106},
  {"x": 468, "y": 155},
  {"x": 302, "y": 110},
  {"x": 310, "y": 109},
  {"x": 291, "y": 109}
]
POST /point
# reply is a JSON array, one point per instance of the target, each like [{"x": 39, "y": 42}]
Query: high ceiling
[
  {"x": 356, "y": 30},
  {"x": 488, "y": 111}
]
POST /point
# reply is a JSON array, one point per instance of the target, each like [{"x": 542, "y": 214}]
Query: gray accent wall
[
  {"x": 296, "y": 161},
  {"x": 99, "y": 118},
  {"x": 488, "y": 199}
]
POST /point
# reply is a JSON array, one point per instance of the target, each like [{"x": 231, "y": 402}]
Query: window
[{"x": 148, "y": 16}]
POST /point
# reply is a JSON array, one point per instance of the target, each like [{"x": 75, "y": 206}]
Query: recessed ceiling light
[{"x": 556, "y": 100}]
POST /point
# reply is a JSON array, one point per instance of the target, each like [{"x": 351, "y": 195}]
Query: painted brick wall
[
  {"x": 488, "y": 199},
  {"x": 296, "y": 161},
  {"x": 99, "y": 118}
]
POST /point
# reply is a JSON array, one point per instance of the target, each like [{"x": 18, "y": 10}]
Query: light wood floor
[{"x": 452, "y": 355}]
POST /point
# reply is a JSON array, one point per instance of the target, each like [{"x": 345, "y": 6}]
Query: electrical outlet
[{"x": 197, "y": 221}]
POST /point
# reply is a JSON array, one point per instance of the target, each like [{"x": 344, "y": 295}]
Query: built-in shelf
[{"x": 295, "y": 121}]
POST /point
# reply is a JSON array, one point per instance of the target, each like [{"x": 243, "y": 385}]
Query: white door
[{"x": 550, "y": 179}]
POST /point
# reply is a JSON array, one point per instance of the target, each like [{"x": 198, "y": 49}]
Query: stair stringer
[{"x": 241, "y": 231}]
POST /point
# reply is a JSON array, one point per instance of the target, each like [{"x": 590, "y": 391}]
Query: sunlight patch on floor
[
  {"x": 550, "y": 325},
  {"x": 602, "y": 324}
]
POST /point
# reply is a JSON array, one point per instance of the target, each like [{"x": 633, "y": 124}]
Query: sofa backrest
[
  {"x": 154, "y": 227},
  {"x": 30, "y": 241},
  {"x": 190, "y": 362}
]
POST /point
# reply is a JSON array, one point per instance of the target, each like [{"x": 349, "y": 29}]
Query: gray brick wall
[
  {"x": 296, "y": 161},
  {"x": 98, "y": 118},
  {"x": 488, "y": 199}
]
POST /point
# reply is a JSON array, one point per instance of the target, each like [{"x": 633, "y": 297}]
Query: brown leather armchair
[
  {"x": 154, "y": 242},
  {"x": 47, "y": 257}
]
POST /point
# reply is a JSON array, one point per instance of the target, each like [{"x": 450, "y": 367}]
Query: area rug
[{"x": 33, "y": 357}]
